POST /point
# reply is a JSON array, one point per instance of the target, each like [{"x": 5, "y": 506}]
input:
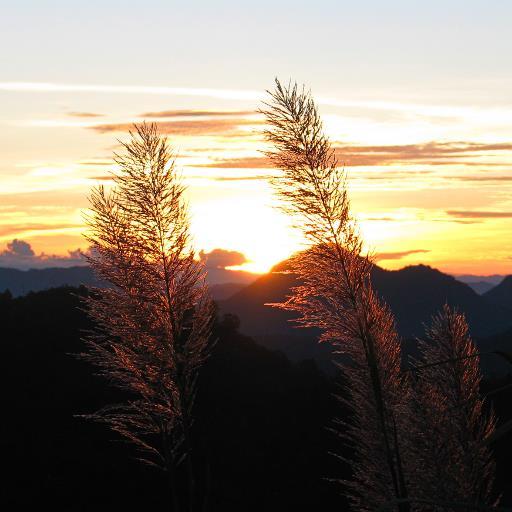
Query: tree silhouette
[{"x": 154, "y": 321}]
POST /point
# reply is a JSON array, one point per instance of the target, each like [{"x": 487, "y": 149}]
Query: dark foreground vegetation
[{"x": 261, "y": 436}]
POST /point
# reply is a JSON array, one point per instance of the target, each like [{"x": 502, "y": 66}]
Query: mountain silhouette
[
  {"x": 413, "y": 293},
  {"x": 480, "y": 287},
  {"x": 501, "y": 294},
  {"x": 223, "y": 283},
  {"x": 21, "y": 282}
]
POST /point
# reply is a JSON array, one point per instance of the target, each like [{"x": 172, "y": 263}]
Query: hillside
[
  {"x": 414, "y": 294},
  {"x": 501, "y": 294},
  {"x": 20, "y": 282},
  {"x": 223, "y": 283}
]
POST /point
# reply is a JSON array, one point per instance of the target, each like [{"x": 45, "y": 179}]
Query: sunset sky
[{"x": 416, "y": 97}]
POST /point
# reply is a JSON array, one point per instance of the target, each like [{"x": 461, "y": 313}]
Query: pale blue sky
[{"x": 393, "y": 46}]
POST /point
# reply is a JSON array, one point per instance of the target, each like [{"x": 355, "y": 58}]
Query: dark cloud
[
  {"x": 222, "y": 258},
  {"x": 398, "y": 255},
  {"x": 472, "y": 214},
  {"x": 19, "y": 254},
  {"x": 220, "y": 127},
  {"x": 198, "y": 113},
  {"x": 20, "y": 248},
  {"x": 84, "y": 114}
]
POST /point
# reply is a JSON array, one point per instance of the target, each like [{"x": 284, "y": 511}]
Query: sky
[{"x": 416, "y": 97}]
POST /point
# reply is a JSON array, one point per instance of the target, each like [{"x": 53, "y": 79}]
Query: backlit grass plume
[
  {"x": 418, "y": 442},
  {"x": 154, "y": 320},
  {"x": 450, "y": 424},
  {"x": 336, "y": 294}
]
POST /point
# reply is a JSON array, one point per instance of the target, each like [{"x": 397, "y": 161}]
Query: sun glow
[{"x": 422, "y": 178}]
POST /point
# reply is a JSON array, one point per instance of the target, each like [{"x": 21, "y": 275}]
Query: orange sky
[
  {"x": 423, "y": 125},
  {"x": 422, "y": 192}
]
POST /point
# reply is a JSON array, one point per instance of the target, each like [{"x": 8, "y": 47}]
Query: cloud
[
  {"x": 220, "y": 127},
  {"x": 483, "y": 178},
  {"x": 222, "y": 258},
  {"x": 433, "y": 153},
  {"x": 429, "y": 110},
  {"x": 430, "y": 153},
  {"x": 198, "y": 113},
  {"x": 17, "y": 229},
  {"x": 472, "y": 214},
  {"x": 381, "y": 219},
  {"x": 100, "y": 162},
  {"x": 254, "y": 177},
  {"x": 19, "y": 248},
  {"x": 398, "y": 255},
  {"x": 253, "y": 162},
  {"x": 84, "y": 114},
  {"x": 19, "y": 254},
  {"x": 258, "y": 177},
  {"x": 104, "y": 177},
  {"x": 230, "y": 94}
]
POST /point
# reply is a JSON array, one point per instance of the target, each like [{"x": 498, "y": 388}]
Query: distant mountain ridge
[
  {"x": 20, "y": 282},
  {"x": 223, "y": 283},
  {"x": 413, "y": 293},
  {"x": 480, "y": 284}
]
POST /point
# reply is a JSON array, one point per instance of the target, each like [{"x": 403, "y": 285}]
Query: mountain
[
  {"x": 222, "y": 291},
  {"x": 493, "y": 279},
  {"x": 481, "y": 284},
  {"x": 417, "y": 292},
  {"x": 19, "y": 282},
  {"x": 501, "y": 294},
  {"x": 413, "y": 293},
  {"x": 494, "y": 364},
  {"x": 480, "y": 287}
]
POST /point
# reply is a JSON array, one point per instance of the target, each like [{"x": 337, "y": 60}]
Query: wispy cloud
[
  {"x": 381, "y": 219},
  {"x": 98, "y": 162},
  {"x": 474, "y": 214},
  {"x": 84, "y": 114},
  {"x": 398, "y": 255},
  {"x": 431, "y": 153},
  {"x": 490, "y": 178},
  {"x": 253, "y": 162},
  {"x": 197, "y": 113},
  {"x": 233, "y": 94},
  {"x": 441, "y": 111},
  {"x": 220, "y": 127},
  {"x": 20, "y": 229}
]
